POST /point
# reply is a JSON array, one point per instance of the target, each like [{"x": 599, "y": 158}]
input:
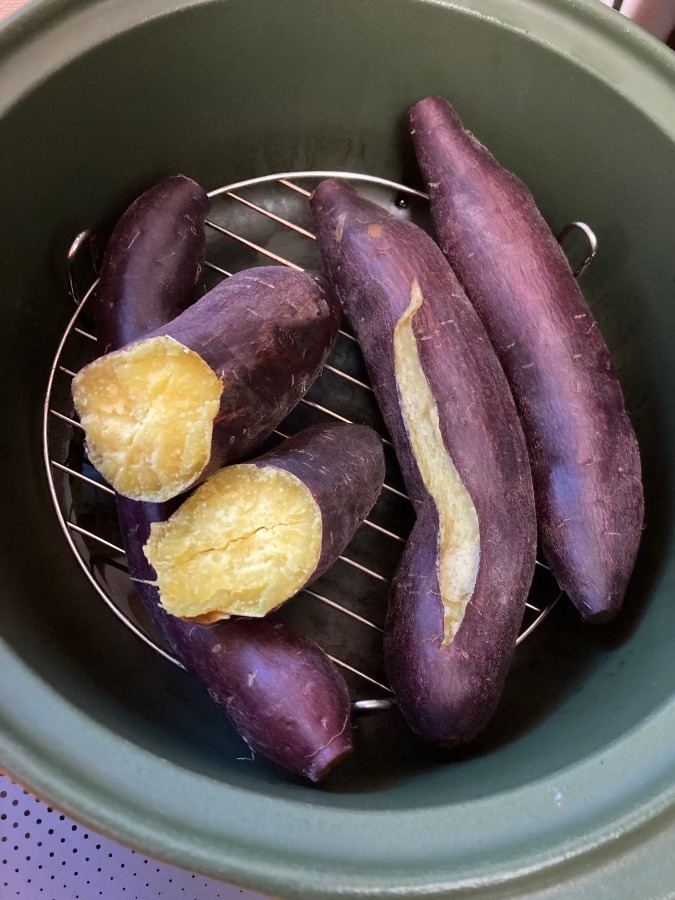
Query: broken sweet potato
[
  {"x": 583, "y": 450},
  {"x": 459, "y": 593},
  {"x": 163, "y": 413},
  {"x": 254, "y": 534},
  {"x": 279, "y": 689}
]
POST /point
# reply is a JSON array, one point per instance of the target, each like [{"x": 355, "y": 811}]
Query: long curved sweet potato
[
  {"x": 254, "y": 534},
  {"x": 583, "y": 450},
  {"x": 156, "y": 252},
  {"x": 279, "y": 690},
  {"x": 164, "y": 412},
  {"x": 459, "y": 593}
]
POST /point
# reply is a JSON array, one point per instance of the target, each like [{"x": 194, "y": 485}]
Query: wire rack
[{"x": 253, "y": 223}]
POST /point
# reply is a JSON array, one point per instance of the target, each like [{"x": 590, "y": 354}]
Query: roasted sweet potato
[
  {"x": 156, "y": 252},
  {"x": 459, "y": 593},
  {"x": 280, "y": 691},
  {"x": 166, "y": 411},
  {"x": 583, "y": 450},
  {"x": 254, "y": 534}
]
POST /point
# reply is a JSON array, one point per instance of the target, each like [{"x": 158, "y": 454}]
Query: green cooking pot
[{"x": 569, "y": 792}]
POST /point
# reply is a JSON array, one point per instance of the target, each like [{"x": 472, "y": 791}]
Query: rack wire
[{"x": 256, "y": 222}]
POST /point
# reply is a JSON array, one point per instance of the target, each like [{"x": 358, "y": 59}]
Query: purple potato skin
[
  {"x": 465, "y": 695},
  {"x": 156, "y": 252},
  {"x": 583, "y": 451},
  {"x": 447, "y": 694},
  {"x": 266, "y": 333},
  {"x": 343, "y": 467},
  {"x": 280, "y": 691},
  {"x": 296, "y": 711}
]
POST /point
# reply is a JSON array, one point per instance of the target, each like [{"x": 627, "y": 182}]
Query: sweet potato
[
  {"x": 279, "y": 690},
  {"x": 459, "y": 593},
  {"x": 583, "y": 450},
  {"x": 156, "y": 252},
  {"x": 164, "y": 412},
  {"x": 254, "y": 534}
]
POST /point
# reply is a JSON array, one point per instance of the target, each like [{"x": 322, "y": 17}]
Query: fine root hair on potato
[
  {"x": 155, "y": 401},
  {"x": 459, "y": 538},
  {"x": 245, "y": 541}
]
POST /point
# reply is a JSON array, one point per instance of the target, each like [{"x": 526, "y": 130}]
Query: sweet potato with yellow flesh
[
  {"x": 458, "y": 596},
  {"x": 280, "y": 691},
  {"x": 244, "y": 542},
  {"x": 254, "y": 534},
  {"x": 154, "y": 401},
  {"x": 163, "y": 413},
  {"x": 583, "y": 450}
]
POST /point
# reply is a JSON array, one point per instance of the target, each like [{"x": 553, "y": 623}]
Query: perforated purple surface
[{"x": 46, "y": 856}]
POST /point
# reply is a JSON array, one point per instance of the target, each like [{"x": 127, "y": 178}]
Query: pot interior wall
[{"x": 222, "y": 91}]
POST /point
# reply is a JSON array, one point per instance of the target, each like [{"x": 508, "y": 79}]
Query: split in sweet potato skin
[
  {"x": 459, "y": 593},
  {"x": 163, "y": 413},
  {"x": 583, "y": 451},
  {"x": 280, "y": 691},
  {"x": 254, "y": 534},
  {"x": 156, "y": 252},
  {"x": 466, "y": 690}
]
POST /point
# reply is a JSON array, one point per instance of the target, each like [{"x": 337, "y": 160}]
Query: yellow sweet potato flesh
[
  {"x": 148, "y": 411},
  {"x": 459, "y": 538},
  {"x": 245, "y": 541}
]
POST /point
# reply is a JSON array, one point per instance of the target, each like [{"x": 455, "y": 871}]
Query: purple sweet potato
[
  {"x": 583, "y": 450},
  {"x": 156, "y": 252},
  {"x": 255, "y": 534},
  {"x": 459, "y": 593},
  {"x": 164, "y": 412},
  {"x": 280, "y": 691}
]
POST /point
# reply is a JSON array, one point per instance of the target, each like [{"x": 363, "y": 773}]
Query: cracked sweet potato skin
[
  {"x": 280, "y": 691},
  {"x": 583, "y": 450},
  {"x": 343, "y": 467},
  {"x": 452, "y": 693},
  {"x": 266, "y": 333},
  {"x": 447, "y": 693},
  {"x": 156, "y": 252}
]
